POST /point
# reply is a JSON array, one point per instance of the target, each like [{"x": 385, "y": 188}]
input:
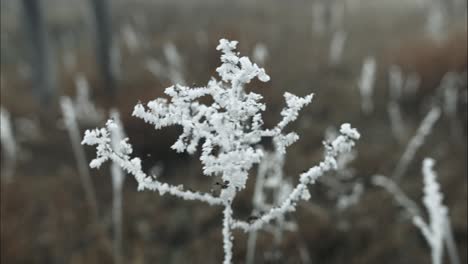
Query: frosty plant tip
[{"x": 230, "y": 129}]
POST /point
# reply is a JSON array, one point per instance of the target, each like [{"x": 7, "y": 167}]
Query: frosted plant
[
  {"x": 400, "y": 197},
  {"x": 130, "y": 38},
  {"x": 449, "y": 89},
  {"x": 396, "y": 86},
  {"x": 8, "y": 141},
  {"x": 337, "y": 46},
  {"x": 86, "y": 111},
  {"x": 416, "y": 142},
  {"x": 118, "y": 177},
  {"x": 260, "y": 53},
  {"x": 342, "y": 144},
  {"x": 437, "y": 230},
  {"x": 412, "y": 83},
  {"x": 344, "y": 185},
  {"x": 173, "y": 71},
  {"x": 344, "y": 171},
  {"x": 70, "y": 120},
  {"x": 396, "y": 81},
  {"x": 396, "y": 121},
  {"x": 434, "y": 231},
  {"x": 231, "y": 128},
  {"x": 366, "y": 84},
  {"x": 270, "y": 181},
  {"x": 175, "y": 62},
  {"x": 353, "y": 198},
  {"x": 435, "y": 21},
  {"x": 156, "y": 68},
  {"x": 172, "y": 55}
]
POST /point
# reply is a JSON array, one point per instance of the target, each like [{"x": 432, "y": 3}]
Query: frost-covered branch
[
  {"x": 343, "y": 143},
  {"x": 270, "y": 179},
  {"x": 437, "y": 230},
  {"x": 230, "y": 128},
  {"x": 434, "y": 231},
  {"x": 70, "y": 120},
  {"x": 121, "y": 155},
  {"x": 416, "y": 142},
  {"x": 396, "y": 89},
  {"x": 396, "y": 120},
  {"x": 118, "y": 177},
  {"x": 400, "y": 197}
]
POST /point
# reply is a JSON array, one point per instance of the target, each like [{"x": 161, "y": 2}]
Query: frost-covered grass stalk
[
  {"x": 337, "y": 47},
  {"x": 433, "y": 231},
  {"x": 396, "y": 82},
  {"x": 155, "y": 67},
  {"x": 366, "y": 84},
  {"x": 412, "y": 83},
  {"x": 86, "y": 112},
  {"x": 174, "y": 69},
  {"x": 437, "y": 231},
  {"x": 400, "y": 197},
  {"x": 344, "y": 187},
  {"x": 416, "y": 142},
  {"x": 343, "y": 143},
  {"x": 230, "y": 128},
  {"x": 69, "y": 118},
  {"x": 260, "y": 53},
  {"x": 435, "y": 21},
  {"x": 396, "y": 121},
  {"x": 353, "y": 198},
  {"x": 449, "y": 89},
  {"x": 175, "y": 62},
  {"x": 130, "y": 38},
  {"x": 270, "y": 180},
  {"x": 396, "y": 86},
  {"x": 8, "y": 141},
  {"x": 118, "y": 177},
  {"x": 258, "y": 202}
]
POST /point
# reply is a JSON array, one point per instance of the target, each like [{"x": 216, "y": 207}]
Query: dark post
[
  {"x": 101, "y": 11},
  {"x": 43, "y": 75}
]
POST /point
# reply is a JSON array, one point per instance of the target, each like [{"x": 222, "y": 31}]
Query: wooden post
[
  {"x": 43, "y": 72},
  {"x": 103, "y": 38}
]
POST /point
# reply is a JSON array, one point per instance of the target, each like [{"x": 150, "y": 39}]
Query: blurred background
[{"x": 379, "y": 65}]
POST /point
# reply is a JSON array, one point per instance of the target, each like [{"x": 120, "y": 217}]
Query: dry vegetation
[{"x": 44, "y": 217}]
